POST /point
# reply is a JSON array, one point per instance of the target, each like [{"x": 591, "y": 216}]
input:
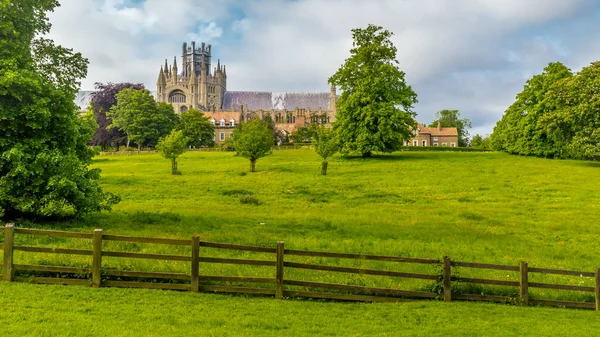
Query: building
[
  {"x": 433, "y": 136},
  {"x": 196, "y": 85}
]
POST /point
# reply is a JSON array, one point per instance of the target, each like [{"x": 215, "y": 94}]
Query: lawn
[
  {"x": 474, "y": 207},
  {"x": 43, "y": 310}
]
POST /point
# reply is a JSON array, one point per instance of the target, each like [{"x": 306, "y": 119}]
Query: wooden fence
[{"x": 195, "y": 282}]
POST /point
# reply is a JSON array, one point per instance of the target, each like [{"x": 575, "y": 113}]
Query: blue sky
[{"x": 470, "y": 55}]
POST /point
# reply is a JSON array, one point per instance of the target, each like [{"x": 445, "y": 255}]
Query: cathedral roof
[
  {"x": 83, "y": 98},
  {"x": 275, "y": 100}
]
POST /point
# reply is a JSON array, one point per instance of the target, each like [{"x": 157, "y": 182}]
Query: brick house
[{"x": 433, "y": 136}]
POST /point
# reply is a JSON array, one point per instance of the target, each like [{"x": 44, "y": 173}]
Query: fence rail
[{"x": 195, "y": 282}]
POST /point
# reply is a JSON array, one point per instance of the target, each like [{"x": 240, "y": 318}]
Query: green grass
[
  {"x": 34, "y": 310},
  {"x": 474, "y": 207}
]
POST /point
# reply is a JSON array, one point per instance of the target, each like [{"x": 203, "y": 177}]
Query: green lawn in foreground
[
  {"x": 36, "y": 310},
  {"x": 478, "y": 207}
]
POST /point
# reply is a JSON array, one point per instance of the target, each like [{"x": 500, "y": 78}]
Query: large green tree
[
  {"x": 141, "y": 118},
  {"x": 197, "y": 128},
  {"x": 253, "y": 140},
  {"x": 521, "y": 130},
  {"x": 451, "y": 119},
  {"x": 44, "y": 157},
  {"x": 374, "y": 111}
]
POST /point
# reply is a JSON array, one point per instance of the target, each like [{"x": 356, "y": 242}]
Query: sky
[{"x": 469, "y": 55}]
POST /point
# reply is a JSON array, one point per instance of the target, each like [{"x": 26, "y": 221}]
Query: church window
[
  {"x": 222, "y": 122},
  {"x": 177, "y": 96},
  {"x": 232, "y": 122}
]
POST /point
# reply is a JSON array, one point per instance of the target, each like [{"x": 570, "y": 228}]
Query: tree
[
  {"x": 104, "y": 98},
  {"x": 197, "y": 128},
  {"x": 171, "y": 147},
  {"x": 253, "y": 140},
  {"x": 451, "y": 119},
  {"x": 141, "y": 118},
  {"x": 479, "y": 142},
  {"x": 521, "y": 131},
  {"x": 304, "y": 134},
  {"x": 326, "y": 145},
  {"x": 44, "y": 157},
  {"x": 374, "y": 112}
]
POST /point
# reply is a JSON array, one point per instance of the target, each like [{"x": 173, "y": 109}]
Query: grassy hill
[{"x": 478, "y": 207}]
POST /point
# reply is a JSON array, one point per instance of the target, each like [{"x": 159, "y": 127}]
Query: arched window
[
  {"x": 177, "y": 96},
  {"x": 232, "y": 122},
  {"x": 183, "y": 109},
  {"x": 222, "y": 122},
  {"x": 212, "y": 121}
]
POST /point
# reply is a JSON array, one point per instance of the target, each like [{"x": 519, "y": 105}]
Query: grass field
[{"x": 478, "y": 207}]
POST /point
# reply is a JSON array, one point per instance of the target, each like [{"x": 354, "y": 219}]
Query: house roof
[
  {"x": 227, "y": 116},
  {"x": 437, "y": 131},
  {"x": 275, "y": 100}
]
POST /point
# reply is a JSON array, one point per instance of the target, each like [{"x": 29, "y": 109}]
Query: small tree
[
  {"x": 253, "y": 140},
  {"x": 326, "y": 145},
  {"x": 171, "y": 147}
]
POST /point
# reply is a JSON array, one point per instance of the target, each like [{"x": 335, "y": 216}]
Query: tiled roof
[
  {"x": 434, "y": 131},
  {"x": 227, "y": 116},
  {"x": 275, "y": 100}
]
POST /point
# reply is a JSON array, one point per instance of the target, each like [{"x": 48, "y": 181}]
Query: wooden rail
[{"x": 279, "y": 286}]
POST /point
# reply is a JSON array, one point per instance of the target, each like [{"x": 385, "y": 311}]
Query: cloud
[{"x": 471, "y": 55}]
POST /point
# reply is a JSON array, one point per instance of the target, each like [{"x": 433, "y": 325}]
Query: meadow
[{"x": 474, "y": 207}]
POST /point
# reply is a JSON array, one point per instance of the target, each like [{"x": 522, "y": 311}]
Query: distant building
[
  {"x": 194, "y": 85},
  {"x": 433, "y": 136}
]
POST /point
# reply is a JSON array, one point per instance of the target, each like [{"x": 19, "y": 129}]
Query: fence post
[
  {"x": 9, "y": 234},
  {"x": 447, "y": 279},
  {"x": 279, "y": 274},
  {"x": 598, "y": 289},
  {"x": 524, "y": 283},
  {"x": 97, "y": 259},
  {"x": 195, "y": 263}
]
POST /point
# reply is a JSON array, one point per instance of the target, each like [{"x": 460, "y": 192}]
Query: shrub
[{"x": 249, "y": 200}]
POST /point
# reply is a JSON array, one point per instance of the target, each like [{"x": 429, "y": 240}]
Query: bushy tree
[
  {"x": 374, "y": 112},
  {"x": 171, "y": 147},
  {"x": 104, "y": 98},
  {"x": 141, "y": 118},
  {"x": 451, "y": 119},
  {"x": 197, "y": 128},
  {"x": 326, "y": 145},
  {"x": 253, "y": 140},
  {"x": 520, "y": 131},
  {"x": 44, "y": 157},
  {"x": 304, "y": 134},
  {"x": 481, "y": 142}
]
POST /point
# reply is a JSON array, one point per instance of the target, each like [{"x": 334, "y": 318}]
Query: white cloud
[{"x": 472, "y": 45}]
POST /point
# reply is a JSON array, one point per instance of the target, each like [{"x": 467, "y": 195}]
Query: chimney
[{"x": 439, "y": 126}]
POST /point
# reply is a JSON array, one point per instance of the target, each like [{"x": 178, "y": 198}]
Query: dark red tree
[{"x": 101, "y": 101}]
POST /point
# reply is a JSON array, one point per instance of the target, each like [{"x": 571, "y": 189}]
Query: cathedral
[{"x": 195, "y": 84}]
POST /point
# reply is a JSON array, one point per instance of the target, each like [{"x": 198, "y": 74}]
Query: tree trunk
[
  {"x": 128, "y": 141},
  {"x": 324, "y": 168},
  {"x": 174, "y": 167},
  {"x": 140, "y": 147},
  {"x": 252, "y": 165},
  {"x": 367, "y": 154}
]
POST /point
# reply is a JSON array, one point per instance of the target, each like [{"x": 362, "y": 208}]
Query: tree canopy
[
  {"x": 171, "y": 147},
  {"x": 326, "y": 145},
  {"x": 104, "y": 98},
  {"x": 253, "y": 140},
  {"x": 141, "y": 118},
  {"x": 557, "y": 115},
  {"x": 451, "y": 119},
  {"x": 197, "y": 128},
  {"x": 374, "y": 111},
  {"x": 44, "y": 157}
]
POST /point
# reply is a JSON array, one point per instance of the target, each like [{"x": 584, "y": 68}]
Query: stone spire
[
  {"x": 332, "y": 98},
  {"x": 161, "y": 78},
  {"x": 175, "y": 73}
]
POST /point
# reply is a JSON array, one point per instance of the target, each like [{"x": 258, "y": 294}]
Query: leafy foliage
[
  {"x": 557, "y": 115},
  {"x": 253, "y": 140},
  {"x": 451, "y": 119},
  {"x": 44, "y": 157},
  {"x": 172, "y": 146},
  {"x": 326, "y": 145},
  {"x": 304, "y": 134},
  {"x": 104, "y": 98},
  {"x": 141, "y": 118},
  {"x": 481, "y": 142},
  {"x": 197, "y": 128},
  {"x": 374, "y": 112}
]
